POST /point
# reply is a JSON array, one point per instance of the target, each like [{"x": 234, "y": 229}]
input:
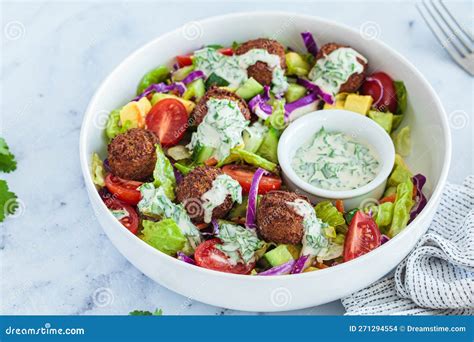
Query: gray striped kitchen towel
[{"x": 437, "y": 277}]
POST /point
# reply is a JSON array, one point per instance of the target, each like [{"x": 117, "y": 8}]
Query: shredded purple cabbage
[
  {"x": 252, "y": 201},
  {"x": 194, "y": 75},
  {"x": 107, "y": 165},
  {"x": 304, "y": 101},
  {"x": 215, "y": 227},
  {"x": 310, "y": 43},
  {"x": 420, "y": 200},
  {"x": 259, "y": 106},
  {"x": 301, "y": 264},
  {"x": 328, "y": 98},
  {"x": 384, "y": 238},
  {"x": 280, "y": 269},
  {"x": 183, "y": 257},
  {"x": 162, "y": 88}
]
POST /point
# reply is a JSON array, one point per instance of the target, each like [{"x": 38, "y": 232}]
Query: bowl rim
[
  {"x": 312, "y": 120},
  {"x": 88, "y": 117}
]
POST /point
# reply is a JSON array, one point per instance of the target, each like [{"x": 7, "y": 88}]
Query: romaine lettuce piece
[
  {"x": 98, "y": 172},
  {"x": 239, "y": 154},
  {"x": 163, "y": 174},
  {"x": 400, "y": 172},
  {"x": 402, "y": 141},
  {"x": 114, "y": 127},
  {"x": 401, "y": 92},
  {"x": 328, "y": 213},
  {"x": 384, "y": 214},
  {"x": 165, "y": 236},
  {"x": 401, "y": 208}
]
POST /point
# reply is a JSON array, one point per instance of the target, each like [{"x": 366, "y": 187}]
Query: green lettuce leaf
[
  {"x": 7, "y": 159},
  {"x": 239, "y": 154},
  {"x": 383, "y": 214},
  {"x": 163, "y": 173},
  {"x": 401, "y": 208},
  {"x": 402, "y": 141},
  {"x": 400, "y": 172},
  {"x": 156, "y": 75},
  {"x": 98, "y": 172},
  {"x": 114, "y": 127},
  {"x": 164, "y": 235},
  {"x": 329, "y": 214},
  {"x": 401, "y": 92}
]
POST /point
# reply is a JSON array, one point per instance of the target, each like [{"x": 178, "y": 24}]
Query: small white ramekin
[{"x": 355, "y": 125}]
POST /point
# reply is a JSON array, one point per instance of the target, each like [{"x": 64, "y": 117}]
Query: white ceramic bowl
[
  {"x": 357, "y": 126},
  {"x": 431, "y": 156}
]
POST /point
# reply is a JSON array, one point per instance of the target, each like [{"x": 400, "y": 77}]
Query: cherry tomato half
[
  {"x": 124, "y": 190},
  {"x": 226, "y": 51},
  {"x": 184, "y": 60},
  {"x": 380, "y": 86},
  {"x": 131, "y": 220},
  {"x": 168, "y": 119},
  {"x": 208, "y": 256},
  {"x": 244, "y": 174},
  {"x": 362, "y": 237}
]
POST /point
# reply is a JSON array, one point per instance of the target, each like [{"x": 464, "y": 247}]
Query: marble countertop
[{"x": 55, "y": 258}]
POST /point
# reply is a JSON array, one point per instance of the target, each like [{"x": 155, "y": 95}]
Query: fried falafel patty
[
  {"x": 355, "y": 80},
  {"x": 200, "y": 111},
  {"x": 260, "y": 71},
  {"x": 132, "y": 154},
  {"x": 277, "y": 221},
  {"x": 193, "y": 186}
]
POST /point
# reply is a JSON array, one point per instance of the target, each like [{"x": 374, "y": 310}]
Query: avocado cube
[
  {"x": 383, "y": 119},
  {"x": 280, "y": 255},
  {"x": 358, "y": 103}
]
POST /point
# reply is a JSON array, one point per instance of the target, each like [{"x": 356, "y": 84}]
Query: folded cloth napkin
[{"x": 437, "y": 277}]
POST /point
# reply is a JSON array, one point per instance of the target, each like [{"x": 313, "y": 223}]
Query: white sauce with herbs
[
  {"x": 234, "y": 68},
  {"x": 314, "y": 241},
  {"x": 333, "y": 70},
  {"x": 334, "y": 161},
  {"x": 222, "y": 187},
  {"x": 238, "y": 243},
  {"x": 221, "y": 128}
]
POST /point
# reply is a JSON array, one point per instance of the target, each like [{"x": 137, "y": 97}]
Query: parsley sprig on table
[{"x": 8, "y": 200}]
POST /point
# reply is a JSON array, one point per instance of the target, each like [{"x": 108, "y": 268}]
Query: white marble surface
[{"x": 55, "y": 258}]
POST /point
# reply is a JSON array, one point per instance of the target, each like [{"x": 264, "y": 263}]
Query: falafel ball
[
  {"x": 132, "y": 154},
  {"x": 355, "y": 80},
  {"x": 200, "y": 111},
  {"x": 260, "y": 71},
  {"x": 277, "y": 221},
  {"x": 193, "y": 186}
]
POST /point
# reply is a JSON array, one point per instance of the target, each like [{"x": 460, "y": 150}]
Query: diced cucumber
[
  {"x": 281, "y": 254},
  {"x": 216, "y": 80},
  {"x": 195, "y": 89},
  {"x": 181, "y": 73},
  {"x": 294, "y": 92},
  {"x": 252, "y": 142},
  {"x": 269, "y": 147},
  {"x": 249, "y": 89},
  {"x": 156, "y": 75},
  {"x": 202, "y": 153},
  {"x": 296, "y": 64}
]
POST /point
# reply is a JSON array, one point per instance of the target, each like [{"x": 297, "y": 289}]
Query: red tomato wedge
[
  {"x": 131, "y": 220},
  {"x": 184, "y": 60},
  {"x": 207, "y": 255},
  {"x": 168, "y": 119},
  {"x": 380, "y": 86},
  {"x": 362, "y": 237},
  {"x": 226, "y": 51},
  {"x": 244, "y": 174},
  {"x": 125, "y": 190}
]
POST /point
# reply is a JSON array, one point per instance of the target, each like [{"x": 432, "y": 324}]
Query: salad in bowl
[{"x": 192, "y": 166}]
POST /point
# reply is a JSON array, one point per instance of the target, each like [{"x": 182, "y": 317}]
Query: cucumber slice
[
  {"x": 294, "y": 92},
  {"x": 202, "y": 153},
  {"x": 195, "y": 89},
  {"x": 281, "y": 254},
  {"x": 251, "y": 143},
  {"x": 269, "y": 147},
  {"x": 216, "y": 80},
  {"x": 249, "y": 89}
]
